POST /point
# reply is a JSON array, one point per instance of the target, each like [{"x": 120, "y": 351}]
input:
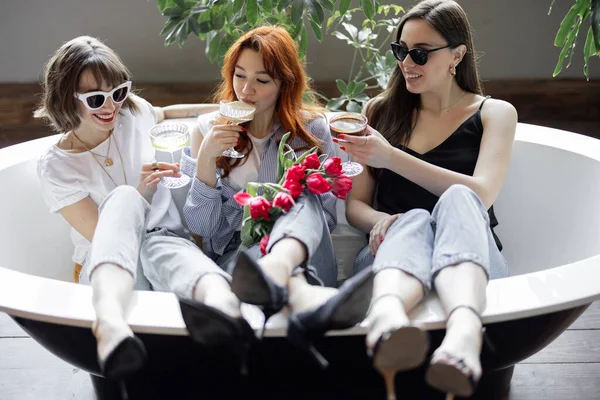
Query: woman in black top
[{"x": 437, "y": 152}]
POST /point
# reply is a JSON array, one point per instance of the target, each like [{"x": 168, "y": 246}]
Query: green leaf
[
  {"x": 344, "y": 6},
  {"x": 238, "y": 5},
  {"x": 172, "y": 36},
  {"x": 215, "y": 44},
  {"x": 565, "y": 26},
  {"x": 359, "y": 88},
  {"x": 353, "y": 107},
  {"x": 172, "y": 12},
  {"x": 368, "y": 8},
  {"x": 595, "y": 21},
  {"x": 252, "y": 12},
  {"x": 588, "y": 50},
  {"x": 217, "y": 17},
  {"x": 180, "y": 3},
  {"x": 267, "y": 5},
  {"x": 342, "y": 86},
  {"x": 335, "y": 104},
  {"x": 303, "y": 43},
  {"x": 351, "y": 87},
  {"x": 567, "y": 48},
  {"x": 161, "y": 5},
  {"x": 283, "y": 4},
  {"x": 316, "y": 30},
  {"x": 297, "y": 11},
  {"x": 169, "y": 26},
  {"x": 327, "y": 4},
  {"x": 315, "y": 10}
]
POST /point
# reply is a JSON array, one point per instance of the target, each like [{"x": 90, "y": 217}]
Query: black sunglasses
[{"x": 419, "y": 56}]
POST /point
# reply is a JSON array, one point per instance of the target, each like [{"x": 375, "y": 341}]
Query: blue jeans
[
  {"x": 422, "y": 244},
  {"x": 305, "y": 222},
  {"x": 157, "y": 259}
]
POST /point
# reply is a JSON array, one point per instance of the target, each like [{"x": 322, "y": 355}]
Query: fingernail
[
  {"x": 334, "y": 140},
  {"x": 343, "y": 148},
  {"x": 340, "y": 136},
  {"x": 244, "y": 129},
  {"x": 380, "y": 240}
]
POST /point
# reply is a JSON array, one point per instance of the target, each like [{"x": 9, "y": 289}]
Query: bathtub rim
[{"x": 158, "y": 313}]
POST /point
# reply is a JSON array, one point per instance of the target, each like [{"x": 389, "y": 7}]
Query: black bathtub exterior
[{"x": 179, "y": 369}]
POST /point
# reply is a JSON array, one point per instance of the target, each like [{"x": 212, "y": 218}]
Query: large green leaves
[{"x": 569, "y": 29}]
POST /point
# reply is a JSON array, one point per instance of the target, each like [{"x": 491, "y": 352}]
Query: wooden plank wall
[{"x": 565, "y": 104}]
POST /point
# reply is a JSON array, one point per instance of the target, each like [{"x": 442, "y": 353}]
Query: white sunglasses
[{"x": 96, "y": 100}]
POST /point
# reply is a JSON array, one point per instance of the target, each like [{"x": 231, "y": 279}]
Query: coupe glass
[
  {"x": 171, "y": 138},
  {"x": 236, "y": 112},
  {"x": 352, "y": 124}
]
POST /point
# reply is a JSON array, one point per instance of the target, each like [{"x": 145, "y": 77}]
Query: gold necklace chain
[
  {"x": 449, "y": 107},
  {"x": 111, "y": 162},
  {"x": 107, "y": 160}
]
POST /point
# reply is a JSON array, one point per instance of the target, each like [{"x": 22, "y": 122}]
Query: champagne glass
[
  {"x": 236, "y": 112},
  {"x": 353, "y": 124},
  {"x": 171, "y": 138}
]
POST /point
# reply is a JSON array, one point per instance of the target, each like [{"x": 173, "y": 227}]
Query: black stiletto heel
[
  {"x": 128, "y": 358},
  {"x": 342, "y": 311},
  {"x": 251, "y": 285},
  {"x": 211, "y": 327}
]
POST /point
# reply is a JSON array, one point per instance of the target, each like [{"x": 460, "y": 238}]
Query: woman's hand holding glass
[
  {"x": 371, "y": 149},
  {"x": 218, "y": 139},
  {"x": 151, "y": 175}
]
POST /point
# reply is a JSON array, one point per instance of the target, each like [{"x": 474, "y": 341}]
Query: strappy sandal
[
  {"x": 398, "y": 350},
  {"x": 449, "y": 373}
]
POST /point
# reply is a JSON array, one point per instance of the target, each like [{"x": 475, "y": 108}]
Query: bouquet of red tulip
[{"x": 318, "y": 174}]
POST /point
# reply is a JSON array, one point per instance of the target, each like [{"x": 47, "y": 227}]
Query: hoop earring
[{"x": 453, "y": 70}]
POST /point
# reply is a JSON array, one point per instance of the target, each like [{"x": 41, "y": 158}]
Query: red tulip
[
  {"x": 263, "y": 244},
  {"x": 333, "y": 166},
  {"x": 294, "y": 187},
  {"x": 317, "y": 184},
  {"x": 283, "y": 201},
  {"x": 295, "y": 173},
  {"x": 312, "y": 161},
  {"x": 341, "y": 186},
  {"x": 259, "y": 207},
  {"x": 242, "y": 198}
]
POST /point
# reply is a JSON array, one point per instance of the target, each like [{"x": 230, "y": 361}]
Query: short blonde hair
[{"x": 62, "y": 74}]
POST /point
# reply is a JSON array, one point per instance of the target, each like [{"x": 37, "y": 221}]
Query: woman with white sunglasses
[{"x": 126, "y": 230}]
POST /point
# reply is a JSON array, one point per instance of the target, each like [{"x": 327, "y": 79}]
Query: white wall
[{"x": 515, "y": 36}]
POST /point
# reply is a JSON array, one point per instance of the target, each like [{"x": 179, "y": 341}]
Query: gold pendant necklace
[{"x": 108, "y": 161}]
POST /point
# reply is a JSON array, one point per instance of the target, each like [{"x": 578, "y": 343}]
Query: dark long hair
[{"x": 395, "y": 111}]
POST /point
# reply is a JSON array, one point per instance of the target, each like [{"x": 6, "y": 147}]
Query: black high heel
[
  {"x": 211, "y": 327},
  {"x": 251, "y": 285},
  {"x": 344, "y": 310},
  {"x": 128, "y": 358}
]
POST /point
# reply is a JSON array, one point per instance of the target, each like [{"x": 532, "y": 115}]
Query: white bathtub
[{"x": 549, "y": 224}]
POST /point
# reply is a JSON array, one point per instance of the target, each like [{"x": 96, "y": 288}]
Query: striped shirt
[{"x": 212, "y": 213}]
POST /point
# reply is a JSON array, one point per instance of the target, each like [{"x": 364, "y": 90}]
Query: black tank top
[{"x": 396, "y": 194}]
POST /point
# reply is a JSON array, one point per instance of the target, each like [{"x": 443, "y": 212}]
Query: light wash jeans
[
  {"x": 422, "y": 244},
  {"x": 305, "y": 222},
  {"x": 158, "y": 260}
]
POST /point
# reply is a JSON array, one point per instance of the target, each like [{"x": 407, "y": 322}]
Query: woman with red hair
[{"x": 262, "y": 69}]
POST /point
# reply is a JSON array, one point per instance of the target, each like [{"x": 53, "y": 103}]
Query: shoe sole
[
  {"x": 405, "y": 349},
  {"x": 448, "y": 379}
]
